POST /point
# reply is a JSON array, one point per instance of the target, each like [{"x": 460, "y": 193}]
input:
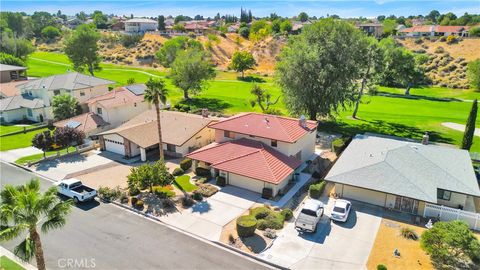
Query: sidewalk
[
  {"x": 11, "y": 256},
  {"x": 12, "y": 155}
]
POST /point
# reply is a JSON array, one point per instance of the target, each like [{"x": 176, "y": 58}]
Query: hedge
[
  {"x": 316, "y": 190},
  {"x": 186, "y": 164},
  {"x": 246, "y": 226},
  {"x": 178, "y": 171},
  {"x": 260, "y": 212},
  {"x": 273, "y": 221},
  {"x": 339, "y": 144},
  {"x": 202, "y": 172},
  {"x": 287, "y": 213}
]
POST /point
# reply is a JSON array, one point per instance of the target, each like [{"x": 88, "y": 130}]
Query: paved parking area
[
  {"x": 108, "y": 176},
  {"x": 333, "y": 246},
  {"x": 207, "y": 218}
]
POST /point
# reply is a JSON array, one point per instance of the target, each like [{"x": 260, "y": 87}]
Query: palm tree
[
  {"x": 22, "y": 209},
  {"x": 157, "y": 93}
]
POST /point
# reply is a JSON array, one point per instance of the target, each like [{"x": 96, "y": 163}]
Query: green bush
[
  {"x": 381, "y": 267},
  {"x": 246, "y": 226},
  {"x": 202, "y": 172},
  {"x": 273, "y": 221},
  {"x": 202, "y": 180},
  {"x": 221, "y": 181},
  {"x": 109, "y": 194},
  {"x": 130, "y": 40},
  {"x": 186, "y": 164},
  {"x": 134, "y": 191},
  {"x": 339, "y": 144},
  {"x": 163, "y": 192},
  {"x": 287, "y": 213},
  {"x": 260, "y": 212},
  {"x": 197, "y": 196},
  {"x": 139, "y": 204},
  {"x": 134, "y": 200},
  {"x": 9, "y": 59},
  {"x": 316, "y": 190},
  {"x": 409, "y": 233},
  {"x": 123, "y": 197},
  {"x": 178, "y": 171}
]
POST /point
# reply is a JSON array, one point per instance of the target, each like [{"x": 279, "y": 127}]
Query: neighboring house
[
  {"x": 181, "y": 133},
  {"x": 434, "y": 30},
  {"x": 138, "y": 25},
  {"x": 80, "y": 86},
  {"x": 118, "y": 26},
  {"x": 404, "y": 175},
  {"x": 73, "y": 23},
  {"x": 371, "y": 29},
  {"x": 90, "y": 123},
  {"x": 23, "y": 107},
  {"x": 119, "y": 105},
  {"x": 198, "y": 27},
  {"x": 10, "y": 89},
  {"x": 10, "y": 73},
  {"x": 256, "y": 151}
]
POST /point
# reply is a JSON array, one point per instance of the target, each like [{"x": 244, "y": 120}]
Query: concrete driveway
[
  {"x": 208, "y": 217},
  {"x": 333, "y": 246}
]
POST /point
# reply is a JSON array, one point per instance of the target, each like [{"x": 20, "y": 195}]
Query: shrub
[
  {"x": 207, "y": 190},
  {"x": 221, "y": 181},
  {"x": 163, "y": 192},
  {"x": 130, "y": 40},
  {"x": 339, "y": 144},
  {"x": 139, "y": 204},
  {"x": 246, "y": 226},
  {"x": 451, "y": 39},
  {"x": 443, "y": 39},
  {"x": 187, "y": 201},
  {"x": 109, "y": 194},
  {"x": 316, "y": 190},
  {"x": 439, "y": 49},
  {"x": 287, "y": 213},
  {"x": 202, "y": 172},
  {"x": 178, "y": 171},
  {"x": 9, "y": 59},
  {"x": 270, "y": 233},
  {"x": 134, "y": 200},
  {"x": 197, "y": 196},
  {"x": 202, "y": 180},
  {"x": 123, "y": 197},
  {"x": 273, "y": 221},
  {"x": 231, "y": 239},
  {"x": 418, "y": 41},
  {"x": 167, "y": 203},
  {"x": 408, "y": 233},
  {"x": 186, "y": 164},
  {"x": 260, "y": 212},
  {"x": 381, "y": 267},
  {"x": 133, "y": 191}
]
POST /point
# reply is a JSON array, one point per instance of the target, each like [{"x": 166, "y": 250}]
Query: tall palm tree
[
  {"x": 157, "y": 93},
  {"x": 22, "y": 209}
]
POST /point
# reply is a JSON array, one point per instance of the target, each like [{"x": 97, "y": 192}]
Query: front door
[{"x": 406, "y": 205}]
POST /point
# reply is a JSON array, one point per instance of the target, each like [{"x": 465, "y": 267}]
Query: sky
[{"x": 343, "y": 8}]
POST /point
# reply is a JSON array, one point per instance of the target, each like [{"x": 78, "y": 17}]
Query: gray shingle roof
[
  {"x": 68, "y": 81},
  {"x": 20, "y": 101},
  {"x": 404, "y": 168}
]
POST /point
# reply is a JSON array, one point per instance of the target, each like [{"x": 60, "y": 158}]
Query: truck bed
[{"x": 82, "y": 189}]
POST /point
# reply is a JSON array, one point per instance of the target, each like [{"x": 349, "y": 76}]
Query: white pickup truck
[
  {"x": 309, "y": 216},
  {"x": 73, "y": 188}
]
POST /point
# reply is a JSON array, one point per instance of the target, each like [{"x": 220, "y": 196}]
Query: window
[
  {"x": 135, "y": 104},
  {"x": 444, "y": 194},
  {"x": 229, "y": 134},
  {"x": 171, "y": 147},
  {"x": 82, "y": 94},
  {"x": 273, "y": 143},
  {"x": 56, "y": 92},
  {"x": 29, "y": 112},
  {"x": 99, "y": 110}
]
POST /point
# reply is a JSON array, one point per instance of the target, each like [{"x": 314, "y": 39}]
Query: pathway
[{"x": 459, "y": 127}]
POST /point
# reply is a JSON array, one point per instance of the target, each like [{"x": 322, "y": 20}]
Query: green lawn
[
  {"x": 37, "y": 157},
  {"x": 4, "y": 129},
  {"x": 8, "y": 264},
  {"x": 20, "y": 140},
  {"x": 434, "y": 92},
  {"x": 182, "y": 182}
]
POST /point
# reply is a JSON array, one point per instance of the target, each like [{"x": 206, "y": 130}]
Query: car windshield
[
  {"x": 309, "y": 212},
  {"x": 338, "y": 209}
]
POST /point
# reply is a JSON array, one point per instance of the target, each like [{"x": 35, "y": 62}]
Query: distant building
[
  {"x": 418, "y": 21},
  {"x": 434, "y": 30},
  {"x": 140, "y": 25},
  {"x": 371, "y": 29},
  {"x": 118, "y": 26},
  {"x": 10, "y": 73}
]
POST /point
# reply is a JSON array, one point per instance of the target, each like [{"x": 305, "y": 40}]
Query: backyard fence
[{"x": 445, "y": 213}]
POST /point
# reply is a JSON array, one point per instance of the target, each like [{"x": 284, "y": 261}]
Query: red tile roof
[
  {"x": 266, "y": 126},
  {"x": 435, "y": 28},
  {"x": 248, "y": 158},
  {"x": 115, "y": 98}
]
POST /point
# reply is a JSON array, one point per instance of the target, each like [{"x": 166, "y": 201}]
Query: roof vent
[
  {"x": 302, "y": 121},
  {"x": 425, "y": 138}
]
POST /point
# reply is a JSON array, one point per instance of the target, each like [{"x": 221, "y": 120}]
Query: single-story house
[
  {"x": 23, "y": 107},
  {"x": 90, "y": 123},
  {"x": 404, "y": 175},
  {"x": 10, "y": 73},
  {"x": 181, "y": 134},
  {"x": 435, "y": 30}
]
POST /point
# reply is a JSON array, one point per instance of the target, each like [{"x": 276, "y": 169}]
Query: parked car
[
  {"x": 309, "y": 216},
  {"x": 73, "y": 188},
  {"x": 341, "y": 209}
]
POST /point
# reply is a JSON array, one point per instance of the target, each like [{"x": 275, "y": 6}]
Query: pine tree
[{"x": 470, "y": 127}]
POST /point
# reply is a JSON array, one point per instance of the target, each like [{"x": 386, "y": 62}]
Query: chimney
[
  {"x": 302, "y": 121},
  {"x": 205, "y": 112},
  {"x": 425, "y": 138}
]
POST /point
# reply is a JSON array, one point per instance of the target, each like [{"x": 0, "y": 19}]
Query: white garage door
[
  {"x": 114, "y": 144},
  {"x": 245, "y": 182},
  {"x": 364, "y": 195}
]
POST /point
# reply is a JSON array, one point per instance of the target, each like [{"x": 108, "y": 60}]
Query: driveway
[
  {"x": 208, "y": 217},
  {"x": 333, "y": 246},
  {"x": 110, "y": 175}
]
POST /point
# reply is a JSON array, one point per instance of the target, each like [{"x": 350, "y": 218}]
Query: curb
[
  {"x": 217, "y": 243},
  {"x": 29, "y": 170}
]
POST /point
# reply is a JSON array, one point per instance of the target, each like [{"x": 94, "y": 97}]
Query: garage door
[
  {"x": 364, "y": 195},
  {"x": 115, "y": 146},
  {"x": 245, "y": 182}
]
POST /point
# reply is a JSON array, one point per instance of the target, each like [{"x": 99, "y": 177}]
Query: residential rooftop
[{"x": 67, "y": 81}]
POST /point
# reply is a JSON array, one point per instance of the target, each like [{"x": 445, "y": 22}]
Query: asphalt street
[{"x": 104, "y": 236}]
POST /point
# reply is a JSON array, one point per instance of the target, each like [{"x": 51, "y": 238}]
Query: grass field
[
  {"x": 37, "y": 157},
  {"x": 390, "y": 112},
  {"x": 20, "y": 140},
  {"x": 8, "y": 264},
  {"x": 5, "y": 129}
]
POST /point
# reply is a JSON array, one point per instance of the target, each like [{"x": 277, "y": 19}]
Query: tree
[
  {"x": 50, "y": 32},
  {"x": 286, "y": 26},
  {"x": 18, "y": 47},
  {"x": 43, "y": 141},
  {"x": 470, "y": 127},
  {"x": 9, "y": 59},
  {"x": 23, "y": 209},
  {"x": 433, "y": 15},
  {"x": 303, "y": 17},
  {"x": 473, "y": 74},
  {"x": 149, "y": 175},
  {"x": 161, "y": 23},
  {"x": 64, "y": 106},
  {"x": 372, "y": 65},
  {"x": 451, "y": 243},
  {"x": 40, "y": 20},
  {"x": 389, "y": 27},
  {"x": 241, "y": 61},
  {"x": 156, "y": 93},
  {"x": 190, "y": 71},
  {"x": 99, "y": 19},
  {"x": 67, "y": 136},
  {"x": 244, "y": 31},
  {"x": 82, "y": 49},
  {"x": 308, "y": 72},
  {"x": 474, "y": 31},
  {"x": 81, "y": 16},
  {"x": 276, "y": 25},
  {"x": 170, "y": 49},
  {"x": 262, "y": 98}
]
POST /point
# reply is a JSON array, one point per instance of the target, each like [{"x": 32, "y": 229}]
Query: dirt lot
[{"x": 388, "y": 239}]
